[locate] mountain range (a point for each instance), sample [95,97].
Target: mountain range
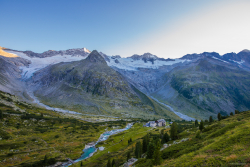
[194,86]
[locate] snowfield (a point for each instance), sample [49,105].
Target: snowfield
[219,59]
[37,63]
[40,63]
[133,65]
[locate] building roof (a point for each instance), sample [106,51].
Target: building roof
[161,120]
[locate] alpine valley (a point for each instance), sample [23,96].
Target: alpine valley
[194,86]
[84,108]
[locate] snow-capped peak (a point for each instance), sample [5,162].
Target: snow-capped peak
[38,62]
[147,60]
[86,50]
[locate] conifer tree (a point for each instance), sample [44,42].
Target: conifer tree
[163,140]
[45,161]
[211,119]
[156,140]
[201,126]
[145,144]
[128,156]
[196,123]
[162,133]
[1,114]
[157,159]
[150,150]
[109,163]
[219,116]
[138,149]
[236,112]
[166,137]
[113,163]
[231,113]
[81,164]
[173,131]
[198,135]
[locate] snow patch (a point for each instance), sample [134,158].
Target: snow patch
[133,65]
[219,59]
[239,62]
[40,63]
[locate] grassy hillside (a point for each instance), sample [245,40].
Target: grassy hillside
[223,143]
[28,134]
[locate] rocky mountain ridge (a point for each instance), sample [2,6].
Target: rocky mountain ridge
[73,52]
[241,59]
[198,85]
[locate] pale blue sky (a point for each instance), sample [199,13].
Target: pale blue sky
[166,28]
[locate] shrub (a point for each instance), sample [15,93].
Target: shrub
[142,162]
[224,130]
[219,116]
[236,112]
[211,119]
[41,130]
[201,126]
[4,135]
[232,157]
[198,135]
[23,132]
[173,131]
[180,149]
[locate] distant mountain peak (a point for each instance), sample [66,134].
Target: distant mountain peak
[245,50]
[95,56]
[6,54]
[145,57]
[149,55]
[86,50]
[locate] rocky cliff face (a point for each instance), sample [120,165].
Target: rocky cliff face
[10,75]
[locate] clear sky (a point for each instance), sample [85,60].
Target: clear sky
[166,28]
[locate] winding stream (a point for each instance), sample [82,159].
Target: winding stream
[89,150]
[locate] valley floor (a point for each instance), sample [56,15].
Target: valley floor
[31,136]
